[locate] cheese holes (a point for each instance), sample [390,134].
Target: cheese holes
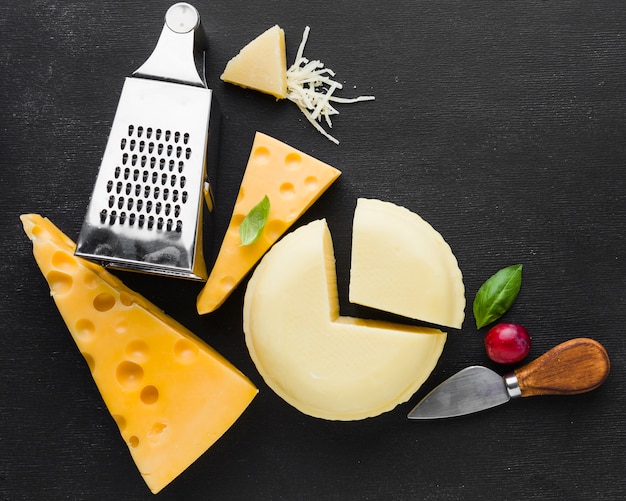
[312,183]
[149,395]
[287,190]
[63,261]
[137,350]
[133,441]
[274,229]
[91,362]
[261,155]
[129,374]
[185,351]
[60,283]
[85,329]
[156,432]
[120,421]
[293,161]
[104,301]
[227,283]
[126,299]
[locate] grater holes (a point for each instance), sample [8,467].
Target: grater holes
[134,196]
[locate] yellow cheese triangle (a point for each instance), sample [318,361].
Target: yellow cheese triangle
[402,265]
[323,364]
[171,395]
[292,180]
[261,65]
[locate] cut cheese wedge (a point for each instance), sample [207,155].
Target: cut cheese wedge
[292,181]
[402,265]
[261,65]
[326,365]
[171,395]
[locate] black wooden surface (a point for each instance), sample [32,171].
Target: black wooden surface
[501,123]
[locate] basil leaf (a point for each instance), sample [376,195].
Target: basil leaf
[252,225]
[497,294]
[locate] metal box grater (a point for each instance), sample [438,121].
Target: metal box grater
[146,209]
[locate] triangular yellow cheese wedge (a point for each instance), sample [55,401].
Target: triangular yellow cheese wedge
[261,65]
[292,181]
[325,365]
[171,395]
[401,264]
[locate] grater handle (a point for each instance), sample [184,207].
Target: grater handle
[180,50]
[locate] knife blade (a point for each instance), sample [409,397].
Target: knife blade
[575,366]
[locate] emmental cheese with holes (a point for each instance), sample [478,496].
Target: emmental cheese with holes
[292,181]
[171,395]
[326,365]
[261,65]
[401,264]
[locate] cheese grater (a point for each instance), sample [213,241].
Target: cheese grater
[146,210]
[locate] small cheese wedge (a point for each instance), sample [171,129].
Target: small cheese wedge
[326,365]
[261,65]
[292,181]
[171,395]
[401,264]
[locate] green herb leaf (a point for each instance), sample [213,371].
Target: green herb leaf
[497,294]
[252,226]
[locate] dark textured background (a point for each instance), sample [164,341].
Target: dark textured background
[501,123]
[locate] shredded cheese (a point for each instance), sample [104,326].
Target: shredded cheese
[310,86]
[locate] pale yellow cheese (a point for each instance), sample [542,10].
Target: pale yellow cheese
[171,395]
[401,264]
[326,365]
[292,181]
[261,65]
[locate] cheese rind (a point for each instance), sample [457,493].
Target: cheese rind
[401,264]
[326,365]
[293,181]
[171,395]
[261,65]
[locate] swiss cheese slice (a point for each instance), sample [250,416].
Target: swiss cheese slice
[171,395]
[292,181]
[261,65]
[402,265]
[326,365]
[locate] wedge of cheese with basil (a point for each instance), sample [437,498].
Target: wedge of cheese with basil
[327,365]
[292,181]
[400,264]
[171,395]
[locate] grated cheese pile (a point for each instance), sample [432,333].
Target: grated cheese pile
[311,86]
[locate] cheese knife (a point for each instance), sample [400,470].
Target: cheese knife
[575,366]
